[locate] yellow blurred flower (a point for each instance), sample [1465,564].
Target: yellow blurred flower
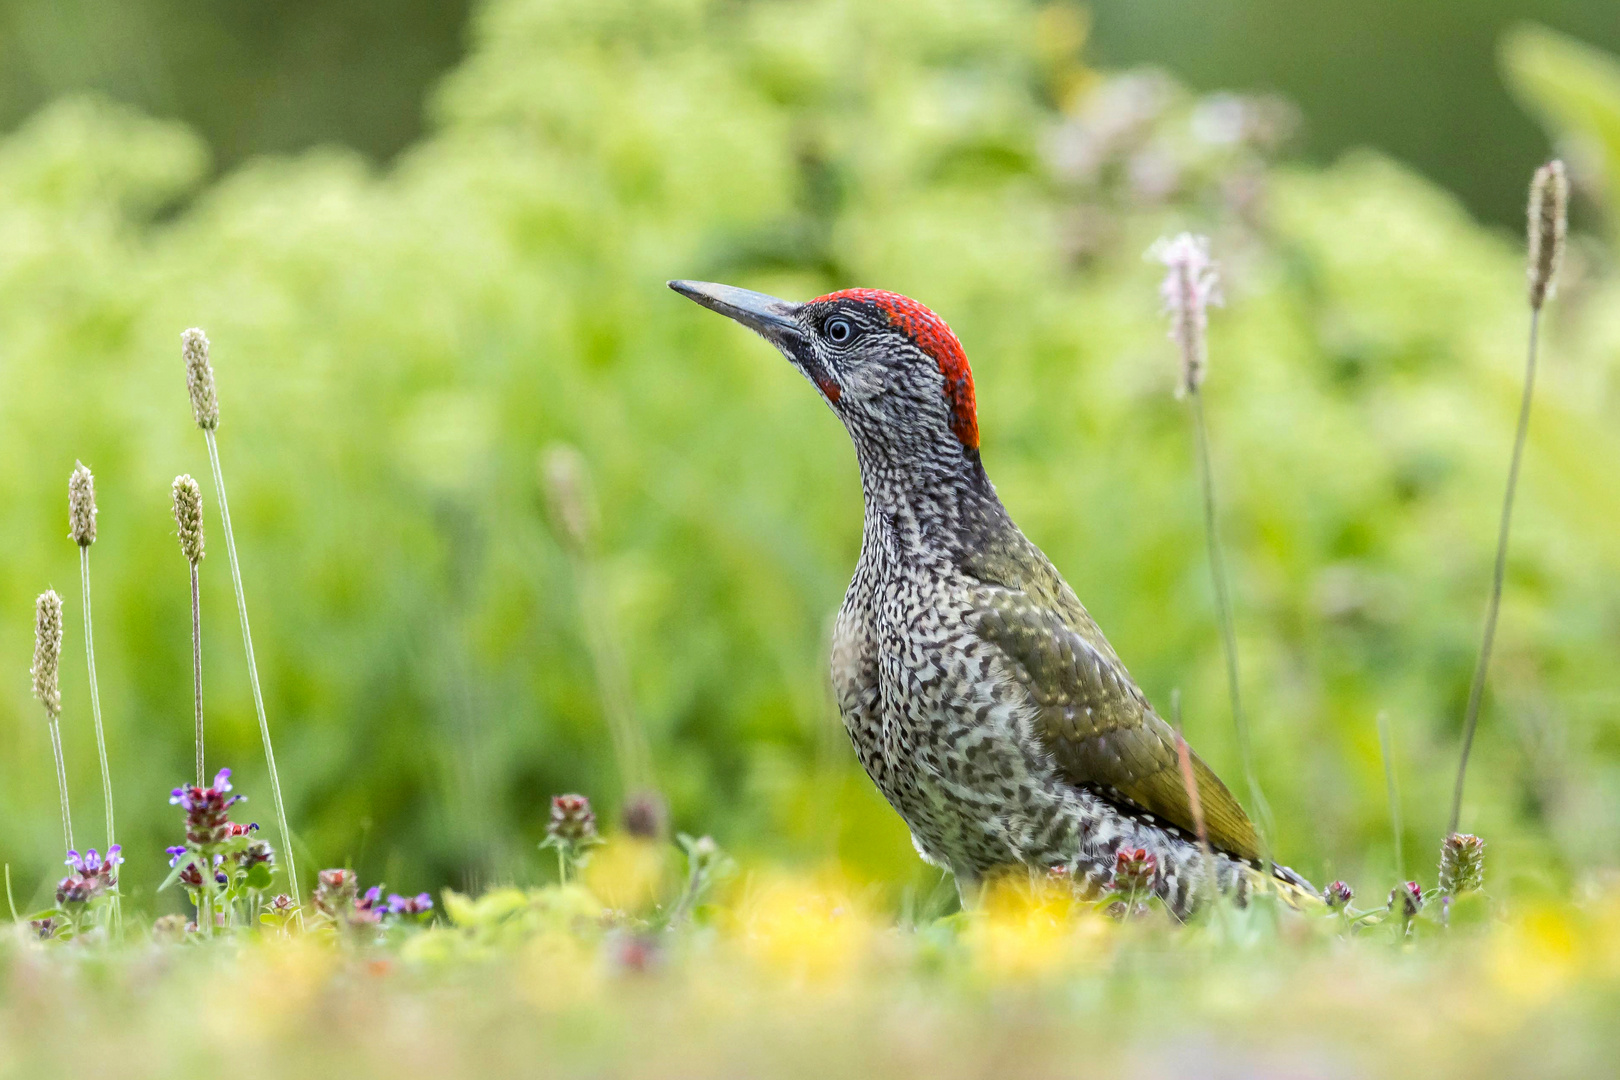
[1027,928]
[805,930]
[628,873]
[274,990]
[1603,951]
[558,971]
[1536,956]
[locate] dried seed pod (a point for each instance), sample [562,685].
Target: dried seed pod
[1549,222]
[48,651]
[568,496]
[188,517]
[200,379]
[1462,864]
[82,506]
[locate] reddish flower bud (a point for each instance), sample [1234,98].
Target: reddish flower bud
[1406,900]
[1134,870]
[572,820]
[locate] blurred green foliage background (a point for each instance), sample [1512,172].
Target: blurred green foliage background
[1418,81]
[396,345]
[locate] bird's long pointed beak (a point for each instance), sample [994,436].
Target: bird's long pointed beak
[767,316]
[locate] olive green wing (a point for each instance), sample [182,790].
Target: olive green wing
[1092,718]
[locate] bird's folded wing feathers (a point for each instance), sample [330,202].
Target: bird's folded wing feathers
[1093,719]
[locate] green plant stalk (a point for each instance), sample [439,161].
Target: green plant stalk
[95,693]
[253,670]
[196,667]
[612,681]
[11,901]
[1477,690]
[1223,605]
[61,783]
[1386,749]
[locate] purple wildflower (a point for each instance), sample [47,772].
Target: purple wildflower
[1338,895]
[90,875]
[207,810]
[420,904]
[191,876]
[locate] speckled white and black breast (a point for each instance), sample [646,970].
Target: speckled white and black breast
[936,721]
[945,732]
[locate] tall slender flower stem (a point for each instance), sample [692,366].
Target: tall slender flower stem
[612,680]
[196,667]
[1548,224]
[1476,690]
[95,693]
[253,670]
[1223,605]
[1386,747]
[1191,284]
[61,784]
[566,481]
[188,523]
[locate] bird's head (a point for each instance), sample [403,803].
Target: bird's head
[890,369]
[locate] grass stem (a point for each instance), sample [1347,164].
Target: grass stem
[1386,749]
[196,669]
[253,670]
[61,783]
[1223,604]
[95,693]
[612,679]
[1477,690]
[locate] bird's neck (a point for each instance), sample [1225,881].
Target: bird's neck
[939,505]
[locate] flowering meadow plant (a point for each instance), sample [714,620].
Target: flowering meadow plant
[84,897]
[224,866]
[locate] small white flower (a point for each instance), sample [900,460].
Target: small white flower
[1191,285]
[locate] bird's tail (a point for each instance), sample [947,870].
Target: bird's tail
[1295,891]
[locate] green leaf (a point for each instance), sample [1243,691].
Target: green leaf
[177,869]
[1573,89]
[258,876]
[459,908]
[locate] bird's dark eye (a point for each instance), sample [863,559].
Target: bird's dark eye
[839,330]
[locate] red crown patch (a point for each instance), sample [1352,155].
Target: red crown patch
[934,337]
